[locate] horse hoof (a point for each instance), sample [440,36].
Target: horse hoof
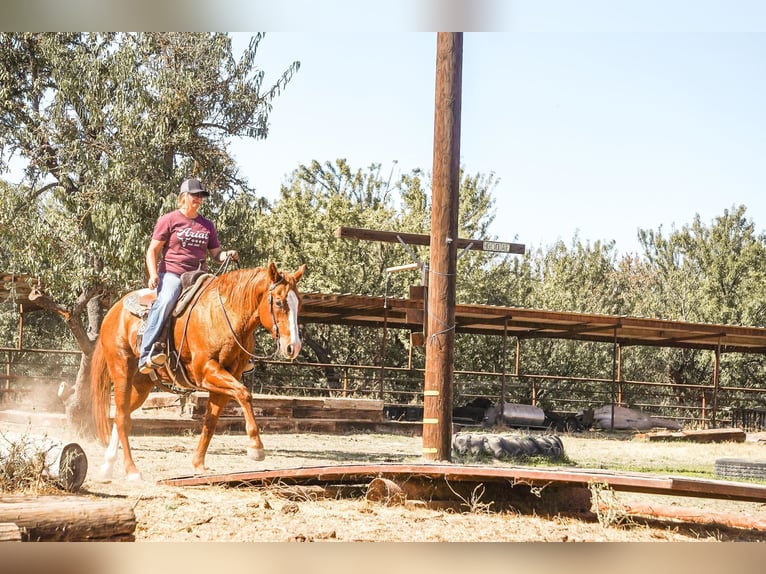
[256,453]
[105,471]
[134,476]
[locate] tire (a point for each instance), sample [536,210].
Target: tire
[505,446]
[493,446]
[740,468]
[475,444]
[529,445]
[511,447]
[550,445]
[460,444]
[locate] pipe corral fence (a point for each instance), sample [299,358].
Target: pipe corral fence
[33,377]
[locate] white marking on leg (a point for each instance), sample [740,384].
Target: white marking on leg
[111,454]
[295,336]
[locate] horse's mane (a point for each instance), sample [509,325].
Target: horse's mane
[239,286]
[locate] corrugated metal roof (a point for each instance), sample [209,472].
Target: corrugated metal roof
[521,322]
[375,311]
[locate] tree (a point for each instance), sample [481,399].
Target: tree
[106,126]
[707,274]
[320,197]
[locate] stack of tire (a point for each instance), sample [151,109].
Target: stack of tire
[505,446]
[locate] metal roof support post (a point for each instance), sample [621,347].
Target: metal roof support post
[716,381]
[517,369]
[505,362]
[21,327]
[614,375]
[619,373]
[382,375]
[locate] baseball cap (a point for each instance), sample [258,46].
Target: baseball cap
[194,186]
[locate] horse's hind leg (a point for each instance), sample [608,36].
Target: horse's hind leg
[110,457]
[125,403]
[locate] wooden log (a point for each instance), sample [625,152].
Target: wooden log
[703,436]
[69,518]
[10,532]
[385,491]
[696,516]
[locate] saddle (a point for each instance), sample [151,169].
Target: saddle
[138,303]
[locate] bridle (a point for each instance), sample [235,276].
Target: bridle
[274,326]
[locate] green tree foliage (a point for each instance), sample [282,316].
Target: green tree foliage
[321,197]
[708,274]
[105,127]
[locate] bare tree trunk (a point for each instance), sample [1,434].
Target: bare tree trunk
[77,402]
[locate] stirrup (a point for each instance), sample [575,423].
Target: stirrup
[153,362]
[158,360]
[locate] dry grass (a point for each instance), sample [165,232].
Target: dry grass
[23,465]
[219,513]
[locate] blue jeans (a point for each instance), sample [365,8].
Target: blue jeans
[168,290]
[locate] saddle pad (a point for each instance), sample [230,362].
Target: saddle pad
[139,302]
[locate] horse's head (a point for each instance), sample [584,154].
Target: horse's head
[278,310]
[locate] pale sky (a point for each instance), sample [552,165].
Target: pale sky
[593,126]
[598,117]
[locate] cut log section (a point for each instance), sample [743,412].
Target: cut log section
[385,491]
[9,532]
[68,518]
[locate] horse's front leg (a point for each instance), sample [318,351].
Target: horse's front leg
[215,405]
[221,382]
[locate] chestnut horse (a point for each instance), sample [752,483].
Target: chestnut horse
[211,337]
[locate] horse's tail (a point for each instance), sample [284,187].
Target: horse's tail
[100,387]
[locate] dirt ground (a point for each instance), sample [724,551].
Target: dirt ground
[249,514]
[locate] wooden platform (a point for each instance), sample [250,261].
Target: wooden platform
[475,474]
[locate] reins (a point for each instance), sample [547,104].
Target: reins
[274,326]
[219,272]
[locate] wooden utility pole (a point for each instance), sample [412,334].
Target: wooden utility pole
[440,340]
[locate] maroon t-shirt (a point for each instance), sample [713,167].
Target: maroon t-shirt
[186,241]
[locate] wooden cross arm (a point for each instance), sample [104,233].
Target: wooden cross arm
[420,239]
